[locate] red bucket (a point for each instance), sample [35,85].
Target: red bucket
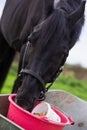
[30,121]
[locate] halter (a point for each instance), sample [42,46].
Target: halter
[38,77]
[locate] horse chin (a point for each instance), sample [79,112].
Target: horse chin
[25,104]
[28,94]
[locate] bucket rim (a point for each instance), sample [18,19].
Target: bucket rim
[68,122]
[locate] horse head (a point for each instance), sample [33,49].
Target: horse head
[46,51]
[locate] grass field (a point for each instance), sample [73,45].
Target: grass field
[67,82]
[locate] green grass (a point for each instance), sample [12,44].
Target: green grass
[72,85]
[68,83]
[7,88]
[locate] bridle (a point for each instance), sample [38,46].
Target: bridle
[38,77]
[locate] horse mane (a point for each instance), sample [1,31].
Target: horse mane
[54,24]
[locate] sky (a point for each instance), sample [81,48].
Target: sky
[2,2]
[78,54]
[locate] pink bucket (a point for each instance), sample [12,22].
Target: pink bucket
[29,121]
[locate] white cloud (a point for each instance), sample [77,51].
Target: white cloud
[78,55]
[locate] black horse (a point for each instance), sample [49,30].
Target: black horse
[43,31]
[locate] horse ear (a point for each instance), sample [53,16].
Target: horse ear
[77,14]
[48,6]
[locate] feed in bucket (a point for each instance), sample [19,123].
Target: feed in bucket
[44,109]
[40,114]
[29,121]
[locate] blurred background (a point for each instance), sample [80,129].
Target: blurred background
[73,79]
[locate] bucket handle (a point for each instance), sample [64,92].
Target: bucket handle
[71,120]
[69,117]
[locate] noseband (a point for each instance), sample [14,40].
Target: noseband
[38,77]
[35,75]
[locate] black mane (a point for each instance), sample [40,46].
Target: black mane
[53,24]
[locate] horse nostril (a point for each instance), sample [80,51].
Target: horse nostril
[34,99]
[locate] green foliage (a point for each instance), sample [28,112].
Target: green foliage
[64,82]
